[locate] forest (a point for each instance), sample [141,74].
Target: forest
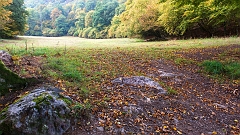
[96,19]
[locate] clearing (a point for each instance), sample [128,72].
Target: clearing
[197,102]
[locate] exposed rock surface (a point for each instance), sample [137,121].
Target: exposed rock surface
[140,81]
[43,111]
[6,58]
[164,74]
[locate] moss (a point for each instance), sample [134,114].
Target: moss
[11,80]
[43,99]
[66,100]
[5,128]
[3,114]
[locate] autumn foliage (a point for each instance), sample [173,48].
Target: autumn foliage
[153,19]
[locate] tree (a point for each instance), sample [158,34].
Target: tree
[18,18]
[4,14]
[178,16]
[55,14]
[33,23]
[90,5]
[88,19]
[113,31]
[140,17]
[79,4]
[61,25]
[80,16]
[103,14]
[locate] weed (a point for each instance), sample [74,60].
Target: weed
[84,92]
[78,110]
[82,110]
[171,91]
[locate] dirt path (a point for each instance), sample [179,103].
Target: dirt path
[199,106]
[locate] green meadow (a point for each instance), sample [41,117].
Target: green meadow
[84,65]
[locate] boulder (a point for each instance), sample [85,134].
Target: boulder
[9,80]
[43,111]
[140,81]
[6,58]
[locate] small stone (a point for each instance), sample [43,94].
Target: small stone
[148,100]
[101,129]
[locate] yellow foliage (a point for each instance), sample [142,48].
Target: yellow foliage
[4,14]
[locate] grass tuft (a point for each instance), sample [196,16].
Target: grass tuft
[233,70]
[213,67]
[230,69]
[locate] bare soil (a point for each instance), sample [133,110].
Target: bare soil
[196,105]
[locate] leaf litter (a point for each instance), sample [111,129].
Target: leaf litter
[201,104]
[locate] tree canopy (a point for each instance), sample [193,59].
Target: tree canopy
[133,18]
[13,18]
[4,14]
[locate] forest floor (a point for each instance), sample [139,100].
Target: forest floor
[195,103]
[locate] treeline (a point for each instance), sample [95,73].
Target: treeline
[155,19]
[12,18]
[83,18]
[189,18]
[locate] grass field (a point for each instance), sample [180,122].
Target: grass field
[72,42]
[85,64]
[206,74]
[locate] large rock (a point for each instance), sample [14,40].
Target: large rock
[9,80]
[41,112]
[140,81]
[6,58]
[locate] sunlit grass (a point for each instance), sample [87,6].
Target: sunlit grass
[73,42]
[84,65]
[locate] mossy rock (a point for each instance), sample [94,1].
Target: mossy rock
[40,112]
[9,80]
